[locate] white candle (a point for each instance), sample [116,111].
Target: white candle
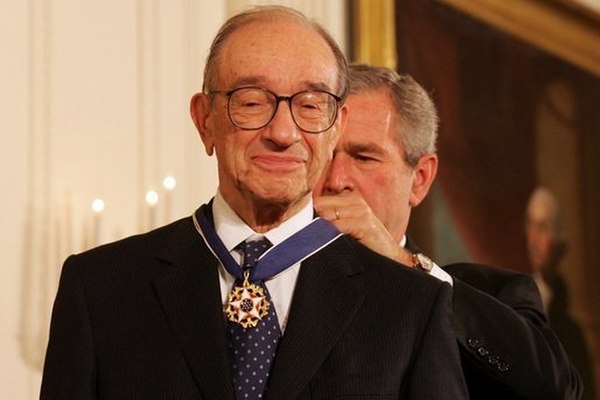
[169,184]
[152,201]
[98,209]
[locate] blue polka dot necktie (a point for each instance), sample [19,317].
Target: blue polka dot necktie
[253,348]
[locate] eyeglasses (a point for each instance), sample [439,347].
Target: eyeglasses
[251,108]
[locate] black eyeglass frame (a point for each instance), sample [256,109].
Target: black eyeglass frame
[278,99]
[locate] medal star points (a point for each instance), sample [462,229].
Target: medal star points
[247,305]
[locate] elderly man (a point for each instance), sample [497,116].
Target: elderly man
[383,166]
[172,314]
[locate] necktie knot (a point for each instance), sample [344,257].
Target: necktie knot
[252,250]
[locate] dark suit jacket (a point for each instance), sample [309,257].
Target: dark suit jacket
[507,349]
[142,319]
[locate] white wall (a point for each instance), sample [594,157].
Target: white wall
[94,104]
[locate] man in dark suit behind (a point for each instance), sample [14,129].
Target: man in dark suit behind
[171,314]
[383,165]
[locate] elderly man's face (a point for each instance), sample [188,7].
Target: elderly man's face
[278,164]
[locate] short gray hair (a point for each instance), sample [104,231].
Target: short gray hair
[271,13]
[413,105]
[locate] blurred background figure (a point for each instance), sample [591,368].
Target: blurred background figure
[546,245]
[545,242]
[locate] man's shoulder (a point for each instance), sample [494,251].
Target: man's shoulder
[467,271]
[495,281]
[171,238]
[383,282]
[379,267]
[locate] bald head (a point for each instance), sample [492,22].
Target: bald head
[270,14]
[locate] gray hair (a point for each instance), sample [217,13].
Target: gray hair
[413,105]
[271,13]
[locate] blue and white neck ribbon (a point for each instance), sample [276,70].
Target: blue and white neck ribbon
[301,245]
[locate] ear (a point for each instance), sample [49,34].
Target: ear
[343,116]
[423,176]
[341,125]
[200,108]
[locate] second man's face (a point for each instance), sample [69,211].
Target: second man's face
[369,159]
[278,164]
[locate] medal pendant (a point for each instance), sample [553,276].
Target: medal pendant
[247,305]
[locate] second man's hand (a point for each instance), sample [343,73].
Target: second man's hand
[352,215]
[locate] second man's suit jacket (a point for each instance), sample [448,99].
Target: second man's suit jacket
[142,319]
[507,349]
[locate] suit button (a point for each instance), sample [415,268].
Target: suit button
[493,360]
[483,352]
[503,367]
[473,343]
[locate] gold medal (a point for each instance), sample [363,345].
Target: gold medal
[246,305]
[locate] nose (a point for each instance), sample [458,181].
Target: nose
[338,178]
[282,129]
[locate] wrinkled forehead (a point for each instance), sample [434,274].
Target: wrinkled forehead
[372,117]
[279,54]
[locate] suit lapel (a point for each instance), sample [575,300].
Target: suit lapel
[325,301]
[190,297]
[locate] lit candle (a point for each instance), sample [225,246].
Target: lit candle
[97,208]
[152,200]
[169,184]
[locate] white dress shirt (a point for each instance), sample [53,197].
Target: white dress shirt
[232,231]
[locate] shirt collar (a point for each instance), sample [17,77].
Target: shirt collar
[233,230]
